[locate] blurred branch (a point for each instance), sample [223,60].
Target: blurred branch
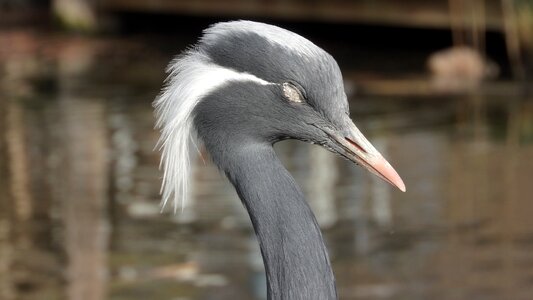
[512,37]
[466,15]
[456,24]
[6,251]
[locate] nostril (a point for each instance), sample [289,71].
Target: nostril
[356,145]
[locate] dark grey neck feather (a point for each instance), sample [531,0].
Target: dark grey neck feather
[294,254]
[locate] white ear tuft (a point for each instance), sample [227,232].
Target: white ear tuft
[173,109]
[191,77]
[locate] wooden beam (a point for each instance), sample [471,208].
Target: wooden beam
[409,13]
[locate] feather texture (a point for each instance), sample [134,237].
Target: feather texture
[274,34]
[191,76]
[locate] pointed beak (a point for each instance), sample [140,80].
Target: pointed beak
[353,145]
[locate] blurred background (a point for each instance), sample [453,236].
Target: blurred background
[442,88]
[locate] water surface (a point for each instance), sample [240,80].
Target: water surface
[79,189]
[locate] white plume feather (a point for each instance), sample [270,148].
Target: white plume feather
[191,77]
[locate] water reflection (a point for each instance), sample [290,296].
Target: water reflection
[6,248]
[80,215]
[83,142]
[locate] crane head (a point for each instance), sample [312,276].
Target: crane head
[252,82]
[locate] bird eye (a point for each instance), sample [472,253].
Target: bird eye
[292,93]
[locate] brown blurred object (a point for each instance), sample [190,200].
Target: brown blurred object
[459,69]
[462,67]
[183,272]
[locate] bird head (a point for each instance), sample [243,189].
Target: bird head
[253,82]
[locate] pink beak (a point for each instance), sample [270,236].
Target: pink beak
[383,169]
[359,150]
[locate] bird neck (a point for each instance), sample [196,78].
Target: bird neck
[295,257]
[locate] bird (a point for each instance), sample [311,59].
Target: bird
[241,88]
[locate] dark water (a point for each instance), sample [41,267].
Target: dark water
[79,182]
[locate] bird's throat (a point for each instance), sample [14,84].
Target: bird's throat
[295,257]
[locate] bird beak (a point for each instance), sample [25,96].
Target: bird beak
[355,147]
